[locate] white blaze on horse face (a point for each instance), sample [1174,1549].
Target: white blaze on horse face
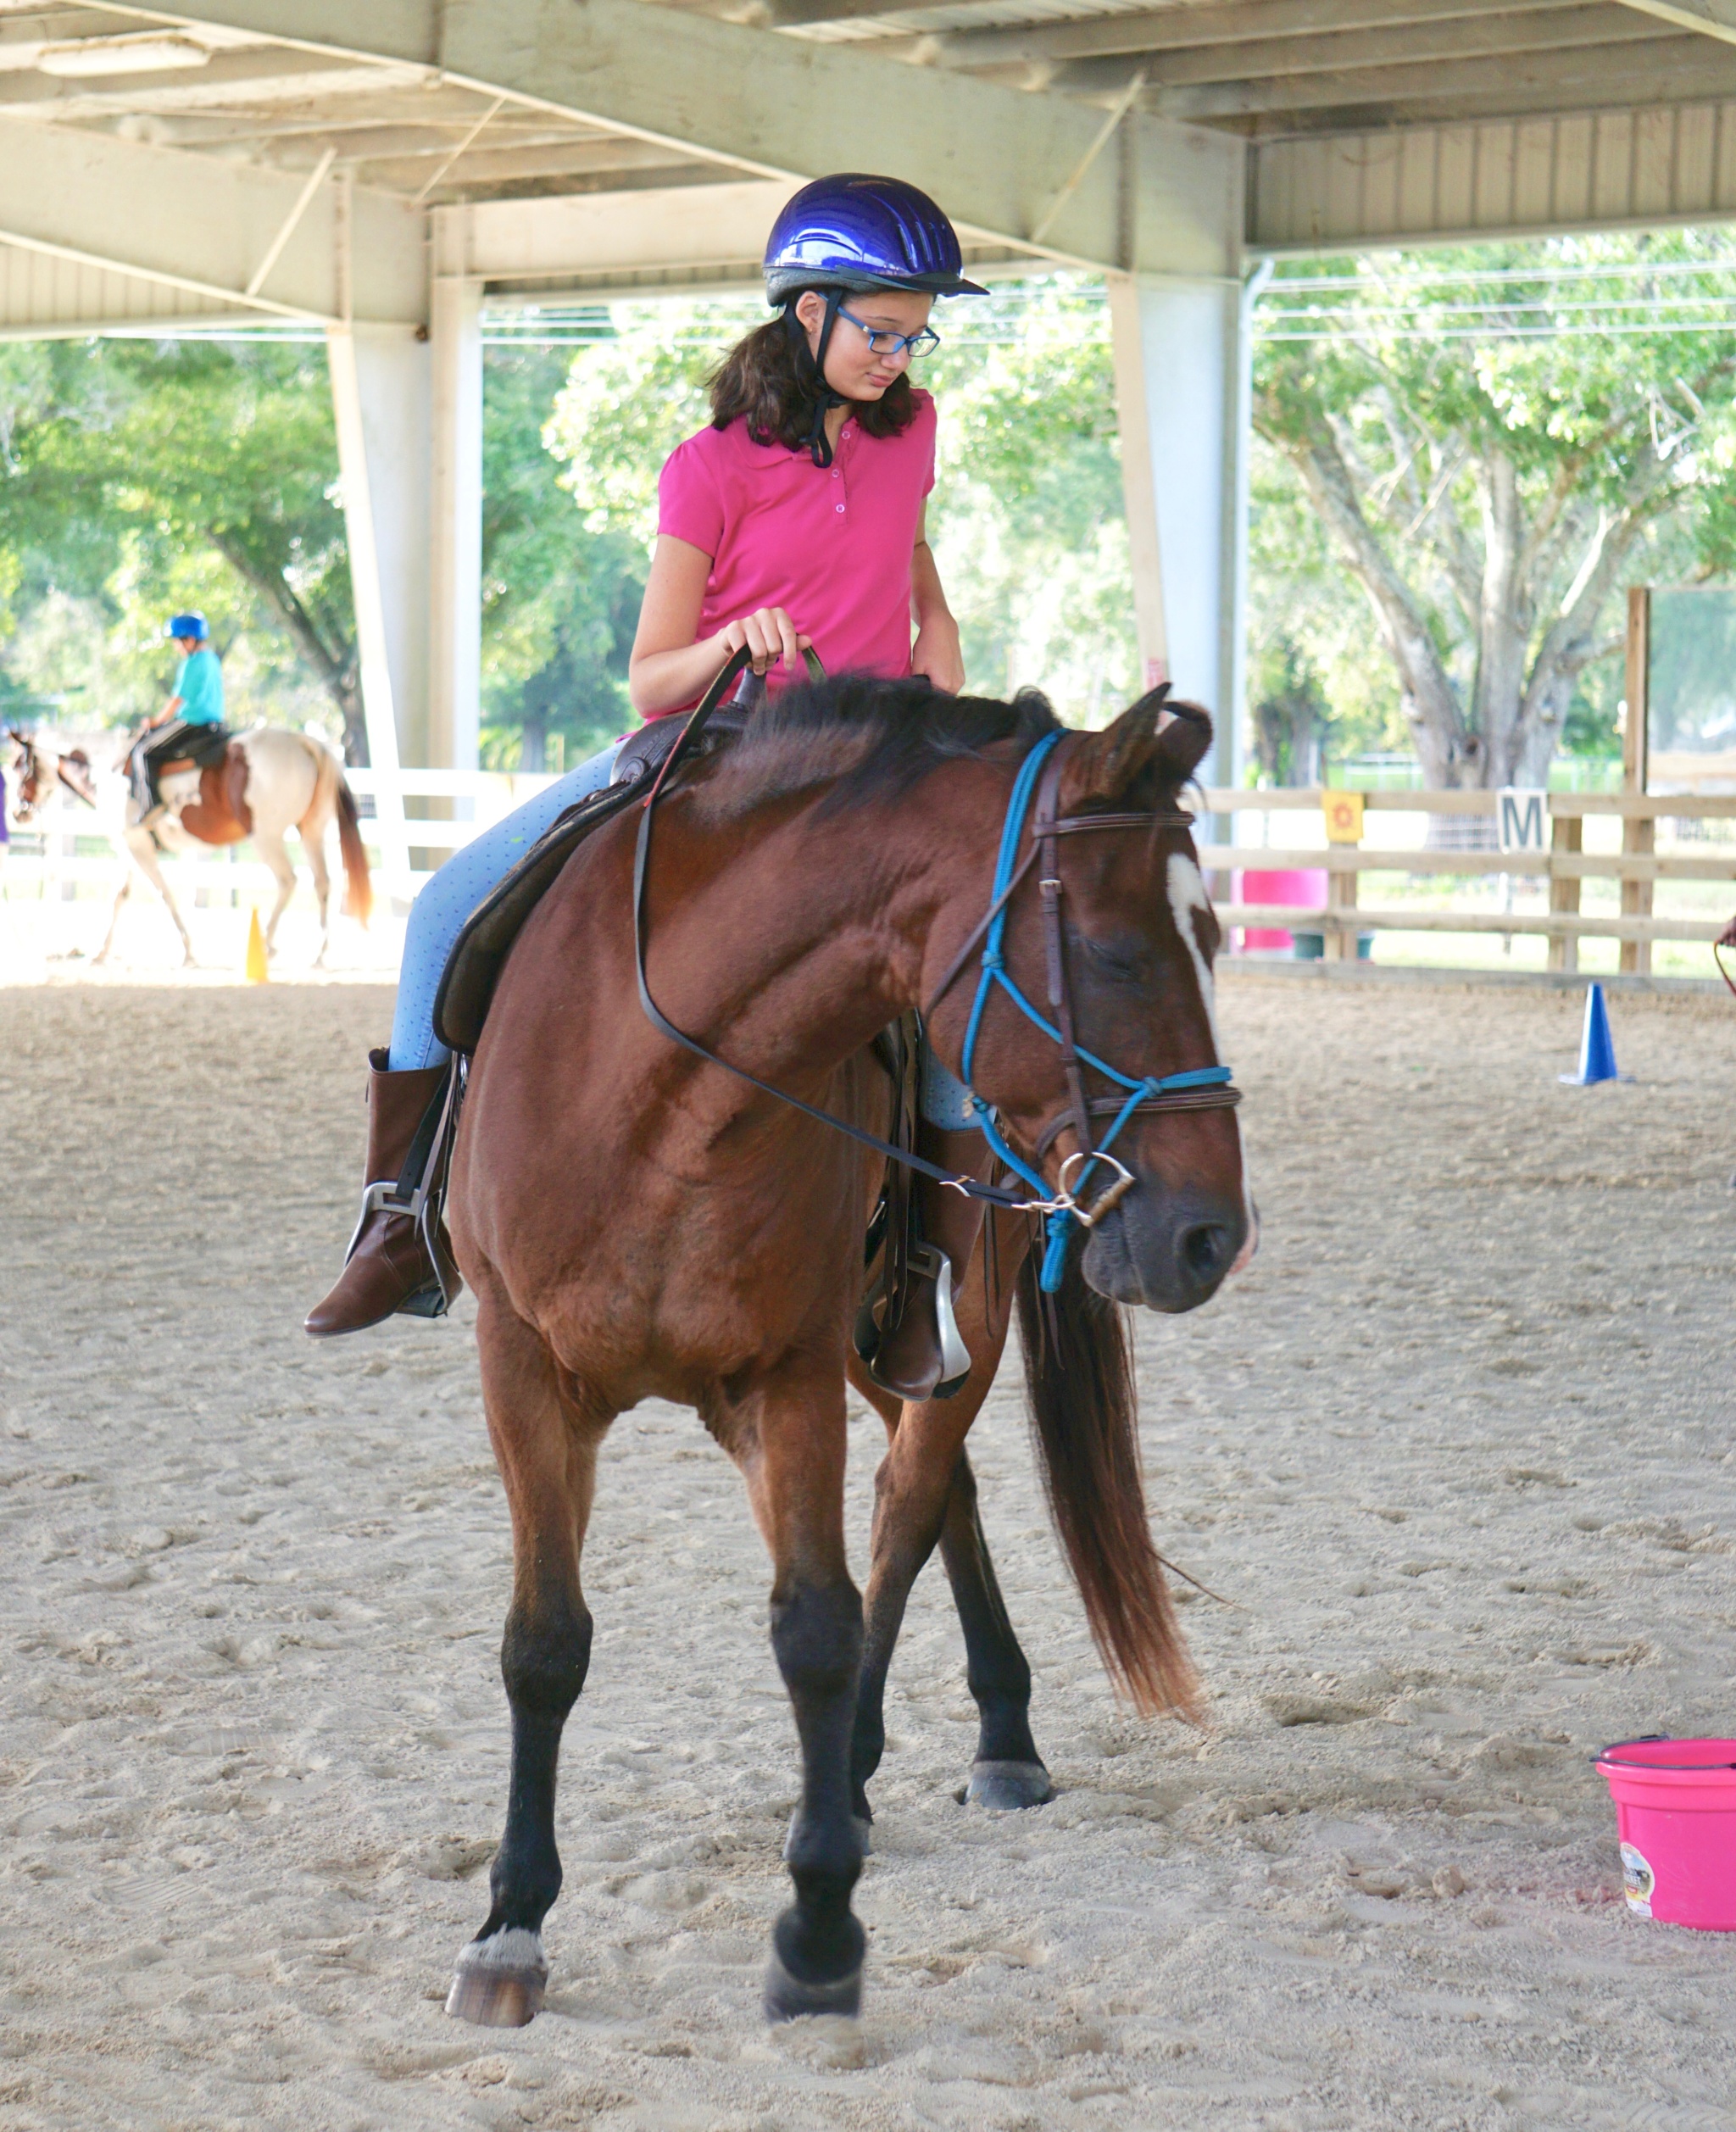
[1186,888]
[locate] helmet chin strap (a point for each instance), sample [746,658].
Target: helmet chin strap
[819,443]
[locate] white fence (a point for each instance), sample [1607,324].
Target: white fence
[438,811]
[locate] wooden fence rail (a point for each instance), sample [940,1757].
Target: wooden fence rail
[1565,867]
[471,799]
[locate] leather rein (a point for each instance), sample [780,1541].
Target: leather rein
[1206,1087]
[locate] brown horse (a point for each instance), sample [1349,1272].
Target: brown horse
[639,1223]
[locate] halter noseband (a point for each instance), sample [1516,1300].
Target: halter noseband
[1201,1088]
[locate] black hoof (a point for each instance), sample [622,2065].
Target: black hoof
[788,1999]
[1008,1787]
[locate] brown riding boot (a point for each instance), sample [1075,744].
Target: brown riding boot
[388,1268]
[923,1356]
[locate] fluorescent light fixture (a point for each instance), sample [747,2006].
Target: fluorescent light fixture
[150,53]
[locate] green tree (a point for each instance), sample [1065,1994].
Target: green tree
[559,600]
[1491,442]
[152,459]
[1027,517]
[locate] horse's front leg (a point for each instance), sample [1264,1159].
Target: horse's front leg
[144,850]
[120,896]
[545,1447]
[788,1438]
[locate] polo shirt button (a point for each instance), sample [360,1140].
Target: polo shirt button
[840,506]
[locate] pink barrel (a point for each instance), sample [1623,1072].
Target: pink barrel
[1303,887]
[1676,1819]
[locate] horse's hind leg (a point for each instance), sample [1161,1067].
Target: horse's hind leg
[546,1445]
[314,844]
[271,848]
[1008,1771]
[925,1493]
[788,1438]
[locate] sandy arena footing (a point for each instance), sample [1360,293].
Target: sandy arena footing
[1461,1448]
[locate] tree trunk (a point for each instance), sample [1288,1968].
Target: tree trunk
[337,667]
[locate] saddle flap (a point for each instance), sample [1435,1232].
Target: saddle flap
[221,814]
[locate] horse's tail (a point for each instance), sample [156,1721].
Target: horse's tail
[332,796]
[1079,1372]
[357,888]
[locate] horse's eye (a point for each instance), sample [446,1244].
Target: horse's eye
[1120,961]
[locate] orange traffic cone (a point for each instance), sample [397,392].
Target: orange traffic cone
[258,973]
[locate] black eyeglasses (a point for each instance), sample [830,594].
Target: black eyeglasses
[881,340]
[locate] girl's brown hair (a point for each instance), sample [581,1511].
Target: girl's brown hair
[766,378]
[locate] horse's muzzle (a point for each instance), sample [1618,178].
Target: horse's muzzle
[1168,1250]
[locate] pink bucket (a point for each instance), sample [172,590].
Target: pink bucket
[1304,886]
[1676,1818]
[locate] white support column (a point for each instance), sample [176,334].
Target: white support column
[1177,390]
[373,659]
[455,520]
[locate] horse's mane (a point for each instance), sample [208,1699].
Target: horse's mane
[870,739]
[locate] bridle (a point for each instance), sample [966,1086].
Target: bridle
[1201,1088]
[32,776]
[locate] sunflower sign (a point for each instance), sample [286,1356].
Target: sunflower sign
[1344,817]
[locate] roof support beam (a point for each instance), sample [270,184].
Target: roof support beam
[1226,31]
[1711,17]
[1666,70]
[1532,32]
[201,226]
[787,108]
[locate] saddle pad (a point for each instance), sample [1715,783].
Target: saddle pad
[485,941]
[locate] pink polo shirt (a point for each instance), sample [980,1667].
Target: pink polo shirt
[831,545]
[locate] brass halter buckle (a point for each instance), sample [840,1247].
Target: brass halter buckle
[1111,1195]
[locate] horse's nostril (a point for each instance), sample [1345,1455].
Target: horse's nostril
[1205,1250]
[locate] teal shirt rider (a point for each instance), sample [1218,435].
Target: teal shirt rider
[199,682]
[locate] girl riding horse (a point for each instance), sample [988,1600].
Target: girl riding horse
[796,520]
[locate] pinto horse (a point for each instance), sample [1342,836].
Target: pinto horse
[272,780]
[638,1222]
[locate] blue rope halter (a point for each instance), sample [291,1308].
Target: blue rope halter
[1062,1212]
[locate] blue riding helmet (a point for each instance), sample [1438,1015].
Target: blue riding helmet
[856,232]
[188,626]
[849,234]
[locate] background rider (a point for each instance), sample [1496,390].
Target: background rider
[187,723]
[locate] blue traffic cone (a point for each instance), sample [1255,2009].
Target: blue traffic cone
[1597,1047]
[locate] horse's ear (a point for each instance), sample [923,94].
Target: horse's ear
[1156,741]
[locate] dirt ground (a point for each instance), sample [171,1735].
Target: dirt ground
[1460,1448]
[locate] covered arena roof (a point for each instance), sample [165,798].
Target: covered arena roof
[1117,134]
[380,170]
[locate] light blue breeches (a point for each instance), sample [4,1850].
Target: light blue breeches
[438,914]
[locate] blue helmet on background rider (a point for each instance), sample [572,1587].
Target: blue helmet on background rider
[852,233]
[194,625]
